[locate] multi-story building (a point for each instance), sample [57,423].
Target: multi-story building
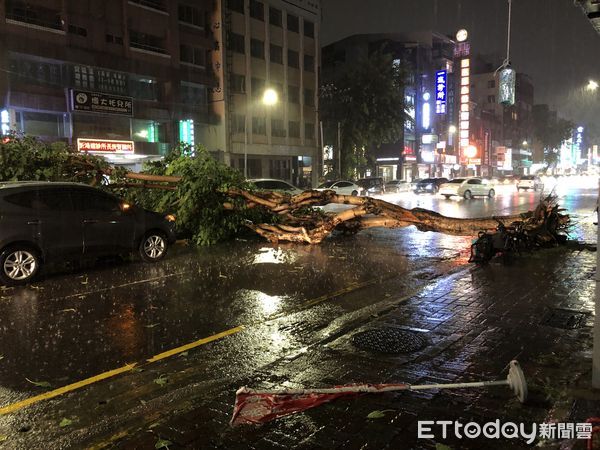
[507,127]
[272,44]
[128,78]
[422,54]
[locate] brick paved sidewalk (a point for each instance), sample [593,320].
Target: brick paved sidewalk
[474,322]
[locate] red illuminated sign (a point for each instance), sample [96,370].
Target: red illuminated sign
[104,146]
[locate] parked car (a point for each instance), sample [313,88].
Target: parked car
[341,187]
[397,186]
[467,188]
[530,182]
[42,222]
[273,185]
[373,185]
[430,185]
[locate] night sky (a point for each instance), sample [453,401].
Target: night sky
[552,40]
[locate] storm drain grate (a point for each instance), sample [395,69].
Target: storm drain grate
[564,319]
[389,340]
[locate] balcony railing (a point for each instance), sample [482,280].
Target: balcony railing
[158,5]
[31,18]
[148,47]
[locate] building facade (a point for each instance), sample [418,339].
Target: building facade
[425,148]
[126,78]
[274,45]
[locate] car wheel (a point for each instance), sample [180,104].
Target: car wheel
[153,246]
[354,193]
[491,193]
[19,264]
[447,197]
[467,195]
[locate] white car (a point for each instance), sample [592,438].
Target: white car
[273,185]
[341,187]
[530,182]
[467,188]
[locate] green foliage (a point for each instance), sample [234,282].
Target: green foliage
[550,129]
[367,100]
[198,201]
[25,158]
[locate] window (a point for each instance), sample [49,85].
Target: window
[293,94]
[193,16]
[111,39]
[28,199]
[342,184]
[294,128]
[146,42]
[236,5]
[277,128]
[79,31]
[194,94]
[491,84]
[237,43]
[293,23]
[293,59]
[238,83]
[239,123]
[258,87]
[257,10]
[309,97]
[259,125]
[474,181]
[25,71]
[280,169]
[257,48]
[276,54]
[309,29]
[143,88]
[192,55]
[309,131]
[491,99]
[275,17]
[25,12]
[309,63]
[89,200]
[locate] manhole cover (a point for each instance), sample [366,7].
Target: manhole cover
[565,319]
[389,340]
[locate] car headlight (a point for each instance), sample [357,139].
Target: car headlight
[170,218]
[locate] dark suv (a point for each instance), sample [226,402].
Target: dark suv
[41,221]
[373,185]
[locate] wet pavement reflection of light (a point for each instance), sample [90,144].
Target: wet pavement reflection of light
[70,326]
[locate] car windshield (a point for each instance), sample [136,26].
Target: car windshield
[427,180]
[326,185]
[457,181]
[528,177]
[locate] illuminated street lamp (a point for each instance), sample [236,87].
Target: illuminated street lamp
[525,143]
[592,85]
[452,129]
[470,151]
[269,98]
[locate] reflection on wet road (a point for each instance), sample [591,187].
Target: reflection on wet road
[71,326]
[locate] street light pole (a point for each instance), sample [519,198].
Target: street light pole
[269,98]
[596,351]
[246,142]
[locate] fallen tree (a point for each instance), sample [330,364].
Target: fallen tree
[298,223]
[213,202]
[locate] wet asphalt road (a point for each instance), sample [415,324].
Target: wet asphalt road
[74,325]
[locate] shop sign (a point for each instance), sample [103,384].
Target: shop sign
[94,102]
[104,146]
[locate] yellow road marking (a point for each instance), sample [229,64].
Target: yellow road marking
[198,343]
[68,388]
[111,373]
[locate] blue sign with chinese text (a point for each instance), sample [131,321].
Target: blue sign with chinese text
[440,91]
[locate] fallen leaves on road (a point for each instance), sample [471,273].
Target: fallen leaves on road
[162,443]
[377,414]
[43,384]
[161,380]
[65,422]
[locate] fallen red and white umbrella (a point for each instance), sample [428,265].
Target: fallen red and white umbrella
[254,407]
